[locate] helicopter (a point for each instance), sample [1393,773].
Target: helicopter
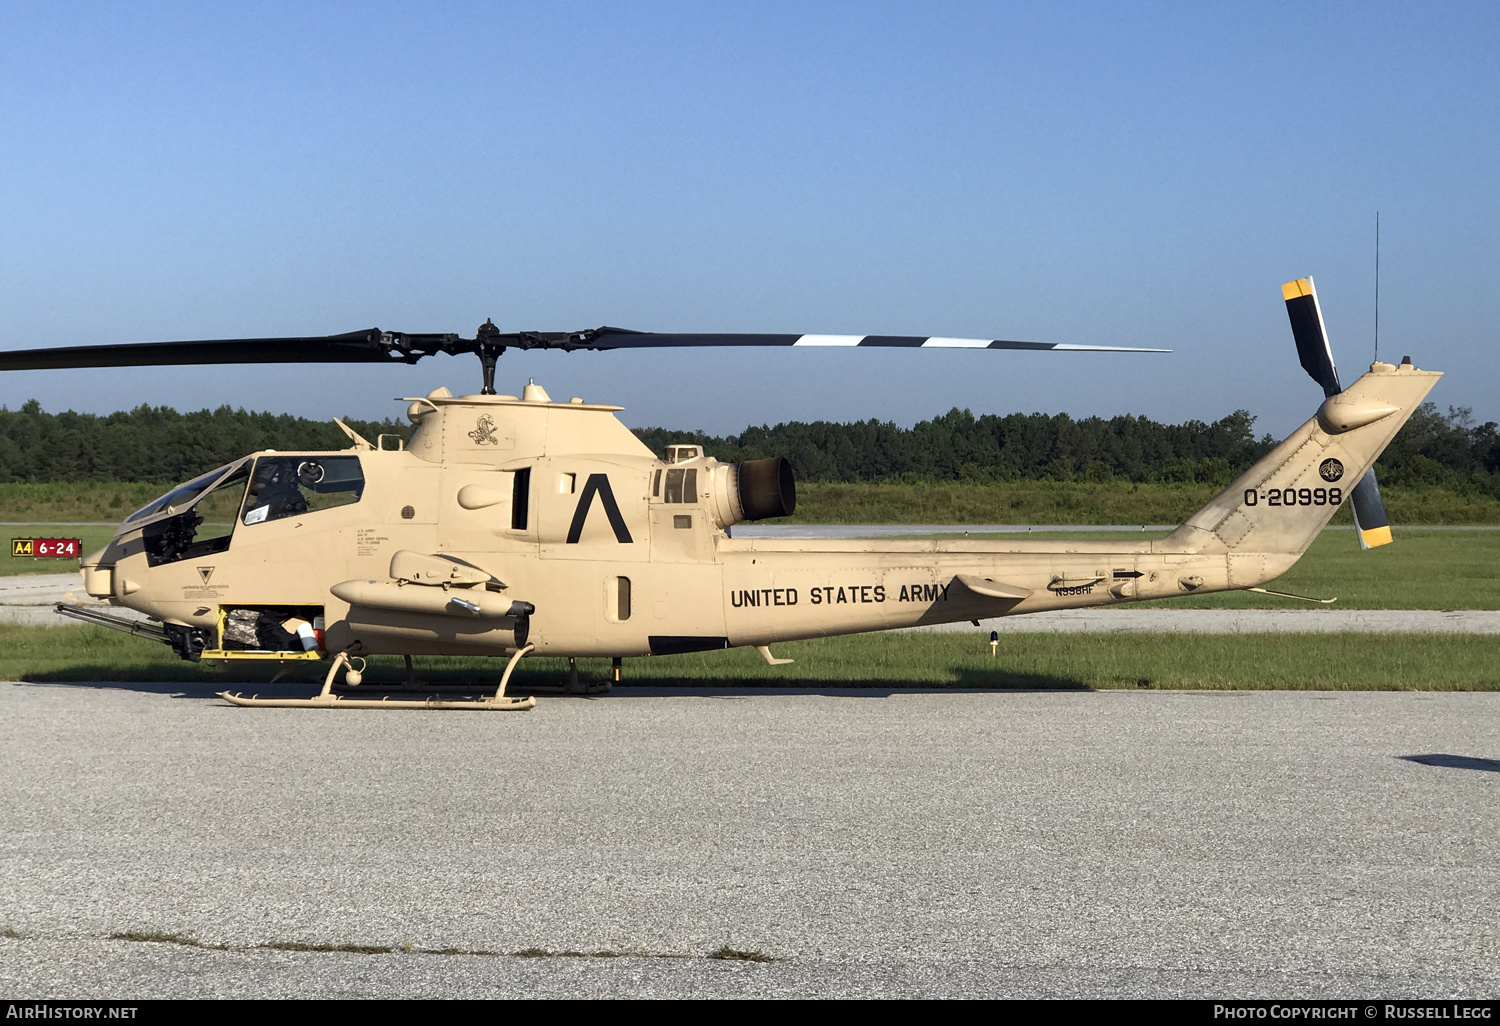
[517,524]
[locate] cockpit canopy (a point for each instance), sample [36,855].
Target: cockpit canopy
[185,495]
[170,525]
[288,486]
[198,518]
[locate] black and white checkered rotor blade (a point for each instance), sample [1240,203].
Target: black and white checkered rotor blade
[376,346]
[488,343]
[622,338]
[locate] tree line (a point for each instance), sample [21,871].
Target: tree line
[1432,449]
[157,443]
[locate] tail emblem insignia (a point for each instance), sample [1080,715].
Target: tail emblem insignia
[484,431]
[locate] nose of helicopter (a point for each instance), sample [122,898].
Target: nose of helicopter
[98,578]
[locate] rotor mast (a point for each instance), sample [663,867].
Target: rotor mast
[489,348]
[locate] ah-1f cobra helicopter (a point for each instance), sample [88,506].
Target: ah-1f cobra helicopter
[517,524]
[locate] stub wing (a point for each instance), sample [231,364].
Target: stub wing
[988,587]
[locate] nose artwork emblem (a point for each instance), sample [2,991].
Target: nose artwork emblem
[484,432]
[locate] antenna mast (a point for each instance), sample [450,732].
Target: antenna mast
[1377,286]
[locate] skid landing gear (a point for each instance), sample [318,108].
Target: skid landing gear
[355,675]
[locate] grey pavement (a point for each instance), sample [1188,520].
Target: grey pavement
[1225,844]
[28,599]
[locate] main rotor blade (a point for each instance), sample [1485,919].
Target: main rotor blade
[1312,338]
[622,338]
[376,346]
[354,347]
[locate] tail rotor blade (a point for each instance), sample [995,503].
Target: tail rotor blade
[1369,513]
[1301,296]
[1312,338]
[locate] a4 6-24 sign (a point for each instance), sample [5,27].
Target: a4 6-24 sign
[64,547]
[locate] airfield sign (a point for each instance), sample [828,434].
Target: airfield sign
[67,548]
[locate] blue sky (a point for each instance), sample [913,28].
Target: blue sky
[1094,173]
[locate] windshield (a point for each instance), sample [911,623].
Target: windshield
[179,496]
[205,527]
[289,486]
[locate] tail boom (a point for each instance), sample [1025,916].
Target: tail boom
[1249,534]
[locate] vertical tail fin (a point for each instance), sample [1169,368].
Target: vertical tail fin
[1280,504]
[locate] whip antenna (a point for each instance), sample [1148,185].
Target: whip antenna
[1377,286]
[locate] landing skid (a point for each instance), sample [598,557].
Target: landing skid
[590,690]
[338,702]
[328,700]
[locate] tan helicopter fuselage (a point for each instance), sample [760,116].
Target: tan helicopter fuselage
[506,515]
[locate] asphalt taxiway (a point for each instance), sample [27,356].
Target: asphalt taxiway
[1222,844]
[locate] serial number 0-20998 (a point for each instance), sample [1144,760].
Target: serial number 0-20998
[1295,497]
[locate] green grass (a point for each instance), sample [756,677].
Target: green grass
[728,954]
[351,949]
[407,948]
[1383,662]
[51,502]
[1419,570]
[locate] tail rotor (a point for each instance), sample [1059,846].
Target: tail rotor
[1370,521]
